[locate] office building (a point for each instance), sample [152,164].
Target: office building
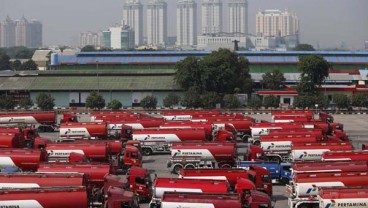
[35,34]
[119,37]
[186,23]
[238,16]
[90,38]
[157,23]
[211,16]
[221,40]
[133,17]
[7,33]
[276,23]
[21,32]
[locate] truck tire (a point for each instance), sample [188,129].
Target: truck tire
[275,159]
[225,166]
[257,143]
[177,168]
[147,151]
[189,166]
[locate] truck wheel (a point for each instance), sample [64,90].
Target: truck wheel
[258,143]
[147,151]
[225,166]
[189,166]
[177,169]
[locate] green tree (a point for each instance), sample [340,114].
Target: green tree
[304,47]
[20,52]
[222,71]
[314,70]
[95,101]
[7,102]
[4,62]
[45,101]
[341,100]
[188,73]
[273,80]
[210,99]
[191,98]
[26,103]
[322,101]
[88,48]
[309,101]
[171,99]
[271,101]
[359,100]
[255,103]
[16,65]
[29,65]
[149,102]
[114,105]
[231,101]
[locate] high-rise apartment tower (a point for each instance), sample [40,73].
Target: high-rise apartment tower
[133,17]
[157,22]
[238,16]
[276,23]
[186,23]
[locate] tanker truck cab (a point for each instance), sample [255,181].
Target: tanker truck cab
[250,197]
[119,198]
[131,157]
[261,178]
[140,183]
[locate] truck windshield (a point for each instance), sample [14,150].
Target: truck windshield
[252,178]
[266,178]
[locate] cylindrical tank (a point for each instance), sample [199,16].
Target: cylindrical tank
[213,150]
[314,151]
[25,159]
[343,197]
[194,200]
[95,172]
[29,118]
[330,166]
[95,152]
[83,130]
[59,197]
[345,156]
[170,135]
[36,180]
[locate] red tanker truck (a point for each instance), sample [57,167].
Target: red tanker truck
[210,154]
[162,185]
[343,197]
[330,166]
[28,118]
[169,135]
[260,177]
[83,130]
[139,178]
[25,159]
[314,151]
[345,156]
[304,187]
[29,134]
[318,133]
[64,197]
[37,180]
[12,140]
[205,200]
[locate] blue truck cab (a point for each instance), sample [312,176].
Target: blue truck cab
[280,172]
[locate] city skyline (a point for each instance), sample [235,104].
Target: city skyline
[320,25]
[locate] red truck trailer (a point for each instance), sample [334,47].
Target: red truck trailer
[345,156]
[304,187]
[205,200]
[37,180]
[329,166]
[343,197]
[314,151]
[25,159]
[170,135]
[28,118]
[260,178]
[83,130]
[64,197]
[210,154]
[162,185]
[318,133]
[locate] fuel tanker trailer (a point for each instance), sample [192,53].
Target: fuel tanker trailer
[25,159]
[303,189]
[345,156]
[210,154]
[37,180]
[314,151]
[170,135]
[343,197]
[162,185]
[83,130]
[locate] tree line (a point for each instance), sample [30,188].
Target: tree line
[17,53]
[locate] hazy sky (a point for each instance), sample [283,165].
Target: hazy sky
[327,22]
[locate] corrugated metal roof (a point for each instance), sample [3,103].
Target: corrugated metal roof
[120,83]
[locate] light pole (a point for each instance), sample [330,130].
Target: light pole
[98,79]
[316,105]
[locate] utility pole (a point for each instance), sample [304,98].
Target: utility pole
[98,79]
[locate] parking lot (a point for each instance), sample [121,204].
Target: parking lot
[354,125]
